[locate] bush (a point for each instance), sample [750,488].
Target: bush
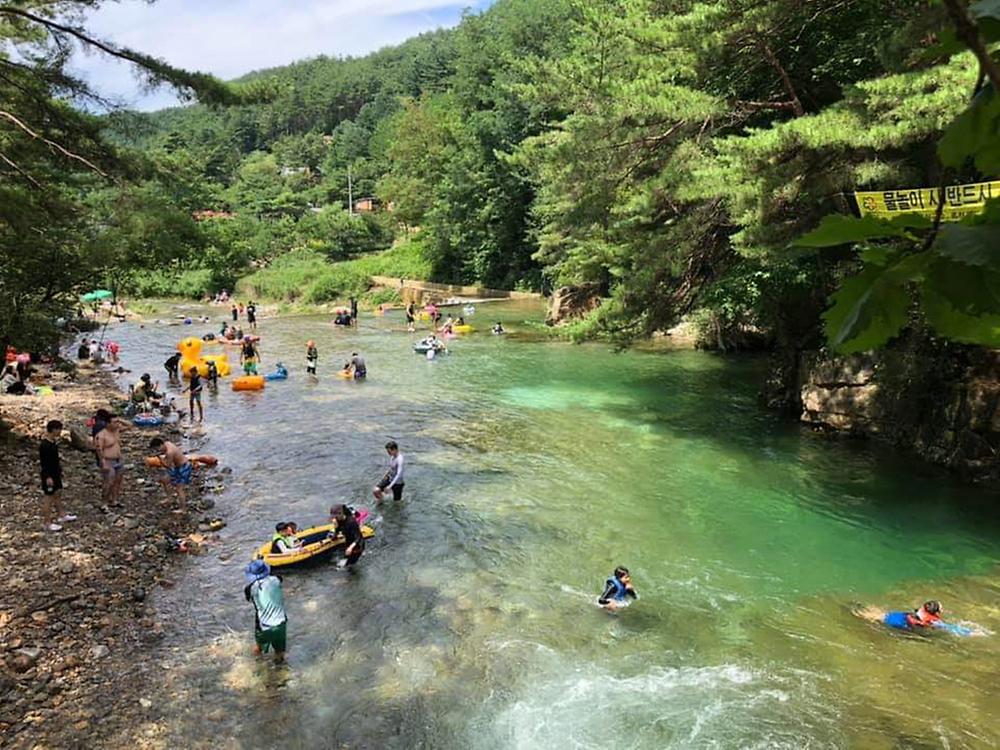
[193,283]
[306,276]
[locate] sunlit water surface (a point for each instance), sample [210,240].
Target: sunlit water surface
[534,468]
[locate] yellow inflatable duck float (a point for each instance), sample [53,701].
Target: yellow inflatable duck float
[191,356]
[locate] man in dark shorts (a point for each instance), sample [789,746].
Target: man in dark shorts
[252,315]
[358,367]
[350,529]
[263,590]
[354,311]
[194,389]
[172,365]
[48,455]
[393,478]
[411,317]
[236,313]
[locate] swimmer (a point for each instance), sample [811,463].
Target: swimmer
[617,590]
[498,329]
[919,620]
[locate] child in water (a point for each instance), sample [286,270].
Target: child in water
[927,616]
[312,357]
[617,590]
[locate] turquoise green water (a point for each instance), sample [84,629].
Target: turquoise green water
[535,468]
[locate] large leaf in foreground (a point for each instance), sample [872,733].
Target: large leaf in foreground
[868,310]
[837,229]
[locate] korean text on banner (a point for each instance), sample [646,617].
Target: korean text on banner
[959,201]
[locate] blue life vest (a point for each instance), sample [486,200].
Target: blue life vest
[618,586]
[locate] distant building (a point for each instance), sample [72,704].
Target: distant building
[289,171]
[366,205]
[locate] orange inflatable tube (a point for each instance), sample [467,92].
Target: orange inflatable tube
[156,462]
[248,383]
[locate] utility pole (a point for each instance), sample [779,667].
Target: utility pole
[350,192]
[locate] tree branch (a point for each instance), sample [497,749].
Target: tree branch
[968,32]
[52,25]
[786,81]
[4,158]
[52,144]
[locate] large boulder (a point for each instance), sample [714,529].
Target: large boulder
[570,302]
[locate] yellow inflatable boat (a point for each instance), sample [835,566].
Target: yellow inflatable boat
[316,542]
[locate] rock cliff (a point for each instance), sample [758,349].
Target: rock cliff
[940,401]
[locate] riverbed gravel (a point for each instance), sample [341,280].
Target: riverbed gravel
[76,622]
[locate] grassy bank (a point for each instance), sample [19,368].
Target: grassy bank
[305,278]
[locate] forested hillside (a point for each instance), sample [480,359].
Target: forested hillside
[672,153]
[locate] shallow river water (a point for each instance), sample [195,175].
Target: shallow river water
[534,468]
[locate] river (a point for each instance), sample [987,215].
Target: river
[534,468]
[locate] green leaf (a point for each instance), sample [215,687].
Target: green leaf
[985,9]
[973,134]
[983,330]
[972,290]
[837,229]
[867,311]
[974,245]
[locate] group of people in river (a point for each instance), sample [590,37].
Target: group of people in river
[264,587]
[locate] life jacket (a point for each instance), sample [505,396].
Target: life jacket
[275,550]
[914,620]
[618,586]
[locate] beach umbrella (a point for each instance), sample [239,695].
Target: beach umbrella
[97,294]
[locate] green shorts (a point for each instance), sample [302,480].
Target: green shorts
[272,637]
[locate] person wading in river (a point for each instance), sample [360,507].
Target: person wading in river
[263,590]
[393,478]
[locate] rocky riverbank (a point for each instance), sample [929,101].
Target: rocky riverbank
[934,399]
[76,626]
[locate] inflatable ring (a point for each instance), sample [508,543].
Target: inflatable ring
[156,462]
[147,420]
[277,375]
[463,328]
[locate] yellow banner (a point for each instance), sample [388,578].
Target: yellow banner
[959,201]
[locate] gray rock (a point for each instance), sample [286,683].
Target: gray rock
[100,651]
[32,652]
